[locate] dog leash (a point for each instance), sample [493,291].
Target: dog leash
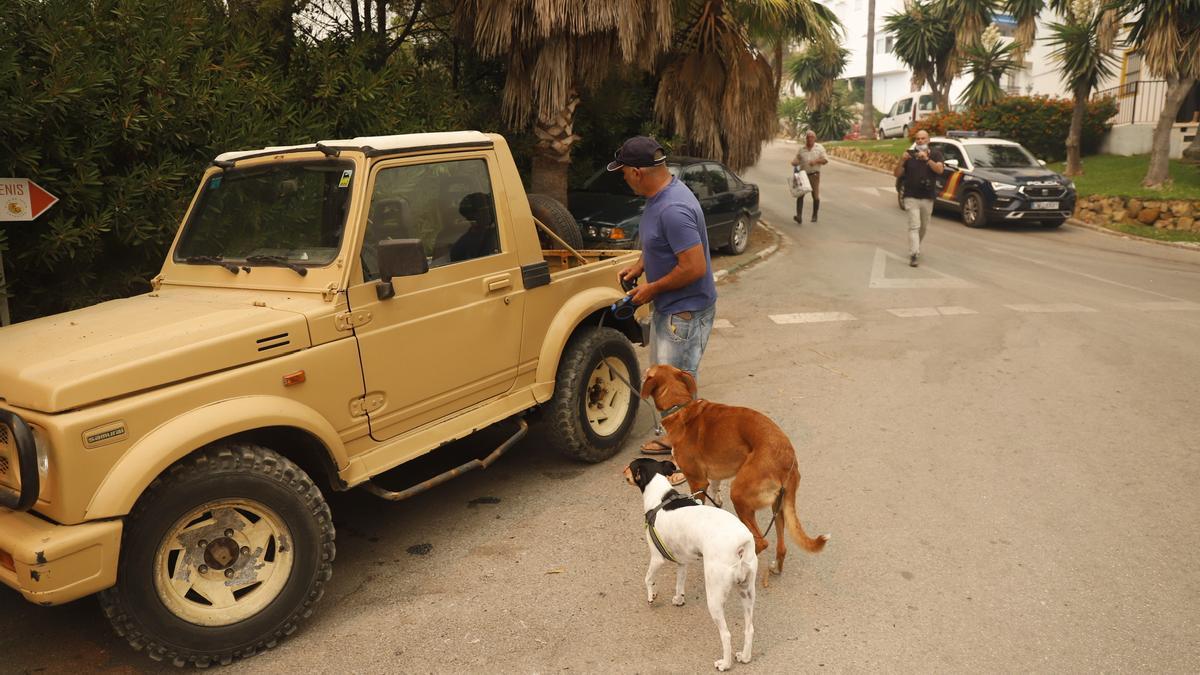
[658,427]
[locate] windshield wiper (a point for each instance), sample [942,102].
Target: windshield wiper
[211,260]
[277,261]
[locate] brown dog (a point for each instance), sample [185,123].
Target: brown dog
[712,442]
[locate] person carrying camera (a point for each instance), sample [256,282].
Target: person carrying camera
[917,170]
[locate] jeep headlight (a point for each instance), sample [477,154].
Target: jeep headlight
[41,445]
[1003,186]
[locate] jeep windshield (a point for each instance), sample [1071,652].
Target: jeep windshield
[1000,156]
[288,213]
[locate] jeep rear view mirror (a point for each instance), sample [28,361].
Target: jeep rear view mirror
[399,258]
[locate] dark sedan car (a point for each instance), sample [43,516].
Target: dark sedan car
[608,212]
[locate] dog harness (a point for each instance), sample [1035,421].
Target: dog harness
[671,500]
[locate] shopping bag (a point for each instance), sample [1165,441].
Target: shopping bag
[798,183]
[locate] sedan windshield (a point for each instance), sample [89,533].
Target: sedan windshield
[613,183]
[1000,156]
[291,213]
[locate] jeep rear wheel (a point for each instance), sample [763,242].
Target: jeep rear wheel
[593,406]
[556,217]
[223,556]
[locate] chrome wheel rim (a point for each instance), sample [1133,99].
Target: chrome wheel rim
[608,397]
[740,233]
[971,209]
[223,562]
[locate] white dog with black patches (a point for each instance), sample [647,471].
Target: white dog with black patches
[697,532]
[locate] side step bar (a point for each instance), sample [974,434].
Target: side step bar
[452,473]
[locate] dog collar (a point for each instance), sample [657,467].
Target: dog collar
[652,515]
[674,409]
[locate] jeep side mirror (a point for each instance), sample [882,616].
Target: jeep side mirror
[952,163]
[1042,162]
[399,258]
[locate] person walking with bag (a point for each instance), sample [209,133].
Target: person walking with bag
[809,159]
[918,169]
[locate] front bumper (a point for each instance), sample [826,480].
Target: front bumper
[1007,207]
[51,564]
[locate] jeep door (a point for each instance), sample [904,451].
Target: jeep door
[450,338]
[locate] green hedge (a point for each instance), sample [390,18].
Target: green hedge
[1040,123]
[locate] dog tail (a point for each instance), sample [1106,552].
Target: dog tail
[792,521]
[747,564]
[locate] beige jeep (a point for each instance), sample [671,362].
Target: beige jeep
[326,313]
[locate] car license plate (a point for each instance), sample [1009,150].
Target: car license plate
[1045,205]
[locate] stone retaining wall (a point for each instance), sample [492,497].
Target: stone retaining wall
[1165,214]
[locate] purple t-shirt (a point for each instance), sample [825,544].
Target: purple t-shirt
[671,224]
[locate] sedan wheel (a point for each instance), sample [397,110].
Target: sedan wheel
[739,236]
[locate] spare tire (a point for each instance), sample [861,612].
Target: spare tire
[560,221]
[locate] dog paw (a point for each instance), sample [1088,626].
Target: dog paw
[774,567]
[678,600]
[721,664]
[743,657]
[651,596]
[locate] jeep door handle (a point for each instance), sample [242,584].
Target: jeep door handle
[498,283]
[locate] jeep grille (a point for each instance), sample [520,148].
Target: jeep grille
[6,450]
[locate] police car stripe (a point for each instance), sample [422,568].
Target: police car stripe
[951,184]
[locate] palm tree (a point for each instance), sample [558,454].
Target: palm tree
[553,51]
[815,69]
[866,128]
[925,43]
[716,90]
[775,28]
[1083,45]
[988,61]
[1168,36]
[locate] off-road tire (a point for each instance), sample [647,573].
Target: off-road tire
[229,471]
[739,235]
[555,216]
[566,426]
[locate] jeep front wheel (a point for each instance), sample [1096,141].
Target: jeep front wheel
[223,556]
[593,406]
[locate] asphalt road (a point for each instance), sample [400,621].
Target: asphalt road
[1004,444]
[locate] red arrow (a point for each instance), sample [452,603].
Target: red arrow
[39,200]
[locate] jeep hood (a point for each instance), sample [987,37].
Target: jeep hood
[74,359]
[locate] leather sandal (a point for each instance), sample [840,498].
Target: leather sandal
[655,447]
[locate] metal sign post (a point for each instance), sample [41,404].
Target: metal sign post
[20,200]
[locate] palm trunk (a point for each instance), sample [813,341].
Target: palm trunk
[867,126]
[1074,161]
[552,153]
[1160,167]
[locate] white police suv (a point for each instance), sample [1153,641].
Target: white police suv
[990,181]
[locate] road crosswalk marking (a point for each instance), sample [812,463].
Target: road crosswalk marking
[950,310]
[880,279]
[1049,308]
[811,317]
[722,323]
[1181,305]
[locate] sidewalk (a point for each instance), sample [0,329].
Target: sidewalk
[764,242]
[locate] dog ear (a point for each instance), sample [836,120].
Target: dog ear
[650,382]
[688,381]
[670,466]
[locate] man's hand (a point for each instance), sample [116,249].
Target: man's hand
[643,294]
[922,155]
[631,273]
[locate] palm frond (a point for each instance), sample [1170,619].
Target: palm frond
[1167,33]
[1083,54]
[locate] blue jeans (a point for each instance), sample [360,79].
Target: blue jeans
[680,342]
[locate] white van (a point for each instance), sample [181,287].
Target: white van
[906,111]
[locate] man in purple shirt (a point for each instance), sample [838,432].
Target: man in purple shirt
[675,258]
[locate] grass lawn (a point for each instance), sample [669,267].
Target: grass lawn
[891,146]
[1139,230]
[1118,176]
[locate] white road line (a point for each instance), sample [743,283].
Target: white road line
[1085,274]
[949,310]
[1182,305]
[1050,308]
[879,278]
[722,323]
[811,317]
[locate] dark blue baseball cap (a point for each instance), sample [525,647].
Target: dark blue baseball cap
[640,152]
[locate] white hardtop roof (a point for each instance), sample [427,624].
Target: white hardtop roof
[393,143]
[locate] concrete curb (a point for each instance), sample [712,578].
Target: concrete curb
[860,164]
[1189,246]
[762,255]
